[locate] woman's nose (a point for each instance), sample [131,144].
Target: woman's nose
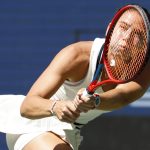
[128,34]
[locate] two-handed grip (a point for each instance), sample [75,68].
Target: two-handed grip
[97,98]
[86,94]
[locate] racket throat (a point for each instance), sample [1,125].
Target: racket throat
[95,84]
[91,89]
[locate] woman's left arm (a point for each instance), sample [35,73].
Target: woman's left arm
[124,94]
[120,95]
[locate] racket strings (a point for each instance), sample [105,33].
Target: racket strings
[127,48]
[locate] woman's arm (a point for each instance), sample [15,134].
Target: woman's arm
[70,63]
[120,95]
[127,93]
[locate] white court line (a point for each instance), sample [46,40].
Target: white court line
[143,102]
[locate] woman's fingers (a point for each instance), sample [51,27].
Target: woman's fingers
[66,111]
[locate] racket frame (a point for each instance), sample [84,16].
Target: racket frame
[95,83]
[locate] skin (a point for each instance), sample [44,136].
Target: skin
[47,141]
[126,49]
[37,102]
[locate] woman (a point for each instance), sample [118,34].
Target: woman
[52,100]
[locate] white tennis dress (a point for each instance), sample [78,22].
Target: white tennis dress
[21,130]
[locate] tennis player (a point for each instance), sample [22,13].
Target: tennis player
[56,97]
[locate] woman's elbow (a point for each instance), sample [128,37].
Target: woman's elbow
[24,110]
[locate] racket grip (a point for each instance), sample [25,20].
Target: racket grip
[85,93]
[97,98]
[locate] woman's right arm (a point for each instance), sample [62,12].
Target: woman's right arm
[37,103]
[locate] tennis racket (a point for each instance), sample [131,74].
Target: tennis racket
[126,48]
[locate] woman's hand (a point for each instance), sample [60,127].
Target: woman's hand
[83,103]
[69,111]
[66,111]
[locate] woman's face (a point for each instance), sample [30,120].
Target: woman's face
[128,38]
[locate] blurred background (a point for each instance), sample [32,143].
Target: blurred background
[32,32]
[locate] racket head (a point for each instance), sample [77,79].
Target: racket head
[126,48]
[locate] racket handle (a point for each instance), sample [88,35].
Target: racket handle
[97,98]
[85,93]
